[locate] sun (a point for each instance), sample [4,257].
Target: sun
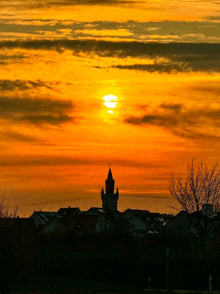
[110,101]
[110,108]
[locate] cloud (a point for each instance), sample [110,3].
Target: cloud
[147,194]
[88,2]
[175,106]
[153,119]
[38,202]
[4,59]
[45,119]
[180,56]
[215,17]
[195,135]
[119,49]
[17,136]
[178,31]
[183,122]
[11,85]
[39,4]
[50,160]
[160,68]
[35,111]
[207,87]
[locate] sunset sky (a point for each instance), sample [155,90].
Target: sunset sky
[88,83]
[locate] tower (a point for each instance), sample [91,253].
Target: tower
[109,196]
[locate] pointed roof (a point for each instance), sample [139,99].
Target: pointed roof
[110,175]
[68,211]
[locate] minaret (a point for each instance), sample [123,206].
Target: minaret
[108,196]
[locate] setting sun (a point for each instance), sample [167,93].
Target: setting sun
[110,101]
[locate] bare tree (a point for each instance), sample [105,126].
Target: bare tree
[6,211]
[200,187]
[197,194]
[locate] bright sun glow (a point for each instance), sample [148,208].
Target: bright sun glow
[110,101]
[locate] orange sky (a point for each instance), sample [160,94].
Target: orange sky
[59,59]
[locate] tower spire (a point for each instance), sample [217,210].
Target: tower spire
[109,197]
[110,183]
[110,177]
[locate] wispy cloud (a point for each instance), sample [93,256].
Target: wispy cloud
[4,59]
[16,136]
[119,49]
[210,87]
[163,31]
[182,121]
[38,4]
[11,85]
[157,67]
[35,111]
[194,56]
[50,160]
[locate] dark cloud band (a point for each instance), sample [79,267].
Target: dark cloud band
[182,121]
[11,85]
[160,68]
[50,160]
[181,56]
[120,49]
[35,111]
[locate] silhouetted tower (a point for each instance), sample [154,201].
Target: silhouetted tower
[109,196]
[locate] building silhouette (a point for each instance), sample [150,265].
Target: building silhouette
[109,196]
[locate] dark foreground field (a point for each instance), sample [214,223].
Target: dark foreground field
[60,285]
[113,263]
[48,284]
